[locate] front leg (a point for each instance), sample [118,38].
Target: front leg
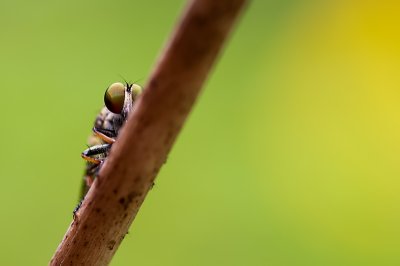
[104,135]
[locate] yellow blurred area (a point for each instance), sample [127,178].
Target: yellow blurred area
[329,132]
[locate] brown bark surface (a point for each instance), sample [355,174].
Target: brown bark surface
[147,137]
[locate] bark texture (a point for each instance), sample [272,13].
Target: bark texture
[147,137]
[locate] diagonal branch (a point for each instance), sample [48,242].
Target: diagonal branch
[142,147]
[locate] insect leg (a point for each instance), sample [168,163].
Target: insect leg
[101,133]
[74,215]
[90,153]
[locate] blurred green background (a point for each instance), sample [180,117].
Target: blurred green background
[290,157]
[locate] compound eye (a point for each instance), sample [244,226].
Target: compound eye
[136,91]
[114,97]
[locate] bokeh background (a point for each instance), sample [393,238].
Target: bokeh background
[290,157]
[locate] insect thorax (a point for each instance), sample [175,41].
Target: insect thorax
[108,123]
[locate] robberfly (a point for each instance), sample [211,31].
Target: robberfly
[119,100]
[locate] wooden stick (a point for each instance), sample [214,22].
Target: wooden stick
[142,147]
